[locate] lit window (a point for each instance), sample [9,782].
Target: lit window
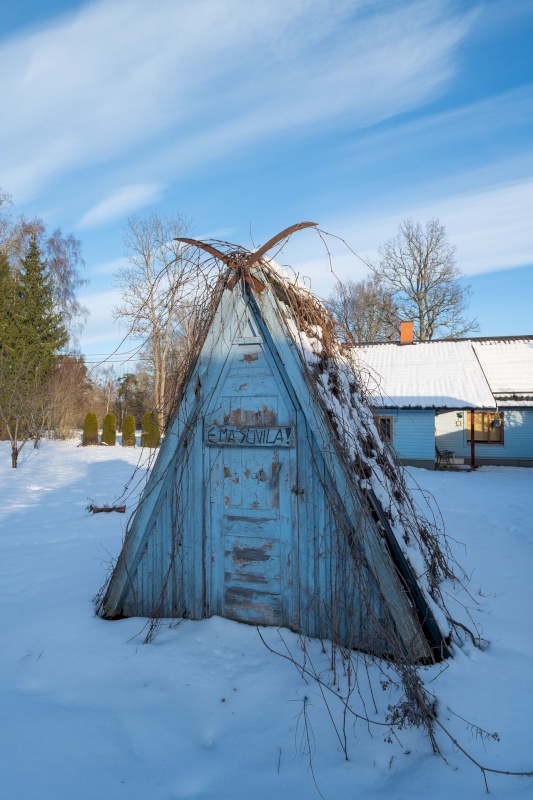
[385,428]
[488,427]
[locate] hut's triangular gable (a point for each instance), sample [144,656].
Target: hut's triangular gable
[168,553]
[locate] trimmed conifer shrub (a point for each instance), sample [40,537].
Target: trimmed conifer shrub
[150,436]
[90,430]
[109,430]
[128,431]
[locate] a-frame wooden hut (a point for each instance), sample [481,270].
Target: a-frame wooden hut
[259,507]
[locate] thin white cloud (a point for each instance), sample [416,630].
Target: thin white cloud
[491,229]
[502,118]
[100,328]
[213,76]
[107,268]
[122,201]
[102,335]
[221,234]
[100,304]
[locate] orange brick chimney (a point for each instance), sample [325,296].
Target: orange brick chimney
[406,332]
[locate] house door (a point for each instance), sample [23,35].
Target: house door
[250,449]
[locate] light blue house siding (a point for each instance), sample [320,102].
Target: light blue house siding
[517,447]
[413,435]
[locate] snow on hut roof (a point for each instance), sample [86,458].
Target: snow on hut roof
[436,374]
[286,274]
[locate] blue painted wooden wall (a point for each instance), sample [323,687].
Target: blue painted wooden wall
[248,513]
[270,546]
[413,433]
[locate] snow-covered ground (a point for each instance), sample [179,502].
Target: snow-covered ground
[89,712]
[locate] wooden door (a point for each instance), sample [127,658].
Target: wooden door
[250,450]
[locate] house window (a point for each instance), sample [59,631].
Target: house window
[385,428]
[488,427]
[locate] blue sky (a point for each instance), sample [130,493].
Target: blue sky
[249,116]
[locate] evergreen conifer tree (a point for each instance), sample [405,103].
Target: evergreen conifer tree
[109,430]
[41,332]
[128,431]
[6,330]
[17,382]
[32,330]
[150,436]
[90,430]
[9,308]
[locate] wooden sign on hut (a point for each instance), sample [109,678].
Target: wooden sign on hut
[272,500]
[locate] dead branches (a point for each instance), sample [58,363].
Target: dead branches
[105,509]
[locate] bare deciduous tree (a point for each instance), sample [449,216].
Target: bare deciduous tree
[364,311]
[14,230]
[20,403]
[158,286]
[103,393]
[63,258]
[62,254]
[66,396]
[418,267]
[134,392]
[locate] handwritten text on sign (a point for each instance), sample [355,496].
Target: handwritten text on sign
[218,435]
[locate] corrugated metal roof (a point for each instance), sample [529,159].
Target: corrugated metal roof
[463,373]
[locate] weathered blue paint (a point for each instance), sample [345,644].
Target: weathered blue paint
[413,433]
[270,528]
[517,447]
[251,508]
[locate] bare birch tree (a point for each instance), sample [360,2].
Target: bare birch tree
[157,286]
[15,231]
[64,259]
[418,267]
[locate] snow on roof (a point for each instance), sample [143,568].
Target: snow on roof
[507,364]
[287,275]
[437,374]
[465,373]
